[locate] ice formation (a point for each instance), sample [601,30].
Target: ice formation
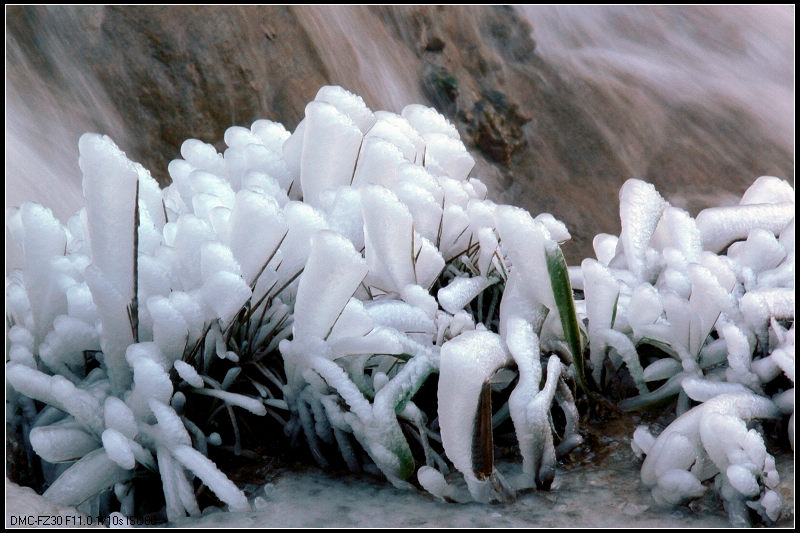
[722,324]
[323,277]
[318,275]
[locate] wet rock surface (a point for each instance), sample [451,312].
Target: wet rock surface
[547,137]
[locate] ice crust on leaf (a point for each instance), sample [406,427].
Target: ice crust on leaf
[640,208]
[215,480]
[378,161]
[720,226]
[768,190]
[427,120]
[349,104]
[388,233]
[530,406]
[62,442]
[93,473]
[460,292]
[467,362]
[43,240]
[188,373]
[333,270]
[331,144]
[110,183]
[252,249]
[118,416]
[58,392]
[524,239]
[118,449]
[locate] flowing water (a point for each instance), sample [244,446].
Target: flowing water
[653,60]
[739,57]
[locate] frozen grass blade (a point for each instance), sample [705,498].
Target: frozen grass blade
[562,291]
[133,308]
[483,441]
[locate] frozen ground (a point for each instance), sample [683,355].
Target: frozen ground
[608,494]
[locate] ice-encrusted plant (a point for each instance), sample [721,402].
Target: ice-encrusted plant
[100,363]
[713,300]
[321,277]
[431,286]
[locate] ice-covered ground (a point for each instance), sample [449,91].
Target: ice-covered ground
[606,494]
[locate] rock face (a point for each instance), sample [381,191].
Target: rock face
[547,136]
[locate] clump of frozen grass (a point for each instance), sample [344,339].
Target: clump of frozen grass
[713,299]
[321,278]
[370,330]
[82,345]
